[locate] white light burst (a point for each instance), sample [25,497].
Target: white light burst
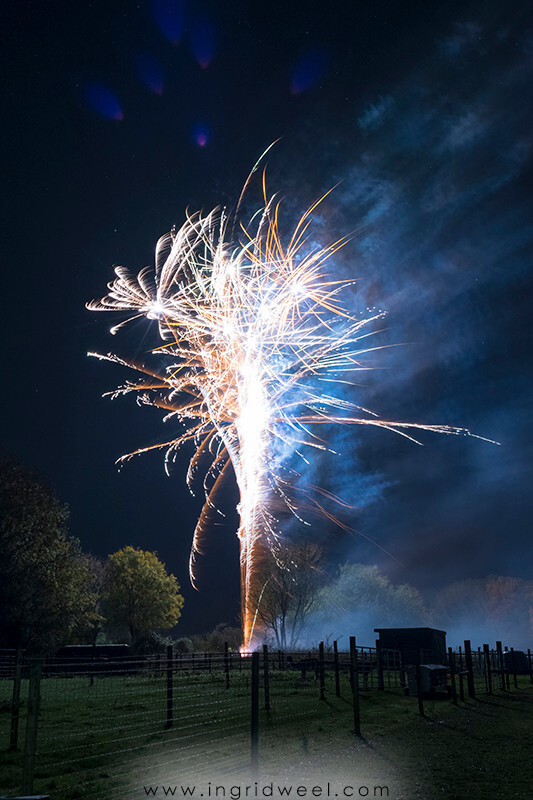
[251,328]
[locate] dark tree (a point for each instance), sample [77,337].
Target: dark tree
[289,591]
[215,640]
[92,624]
[44,592]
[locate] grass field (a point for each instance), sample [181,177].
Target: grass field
[109,739]
[479,750]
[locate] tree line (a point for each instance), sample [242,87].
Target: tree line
[51,593]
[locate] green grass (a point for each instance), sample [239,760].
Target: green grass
[96,741]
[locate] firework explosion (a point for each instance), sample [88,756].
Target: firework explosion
[254,342]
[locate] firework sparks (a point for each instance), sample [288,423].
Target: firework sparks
[249,329]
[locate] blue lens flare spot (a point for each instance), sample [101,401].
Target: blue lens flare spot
[201,135]
[308,71]
[203,40]
[102,100]
[150,72]
[168,15]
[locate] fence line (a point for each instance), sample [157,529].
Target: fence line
[85,720]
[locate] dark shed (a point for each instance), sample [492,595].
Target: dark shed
[410,641]
[90,658]
[86,652]
[515,661]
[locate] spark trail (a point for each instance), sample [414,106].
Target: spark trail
[255,341]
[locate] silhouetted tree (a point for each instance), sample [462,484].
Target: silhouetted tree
[288,591]
[44,593]
[89,628]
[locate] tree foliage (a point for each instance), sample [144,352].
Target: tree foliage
[140,594]
[495,607]
[361,598]
[92,625]
[44,591]
[289,591]
[215,640]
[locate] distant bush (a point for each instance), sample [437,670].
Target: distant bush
[184,645]
[214,641]
[151,642]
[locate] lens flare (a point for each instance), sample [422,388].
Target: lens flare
[201,134]
[202,37]
[257,350]
[150,72]
[169,16]
[104,101]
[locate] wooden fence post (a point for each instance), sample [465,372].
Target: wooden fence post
[170,687]
[255,714]
[266,677]
[354,680]
[451,662]
[32,720]
[91,679]
[529,662]
[502,668]
[488,670]
[337,673]
[15,701]
[470,670]
[461,677]
[515,679]
[226,663]
[381,682]
[506,672]
[321,674]
[419,695]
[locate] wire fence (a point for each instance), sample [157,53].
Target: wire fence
[97,729]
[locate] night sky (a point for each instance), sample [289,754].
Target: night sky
[118,116]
